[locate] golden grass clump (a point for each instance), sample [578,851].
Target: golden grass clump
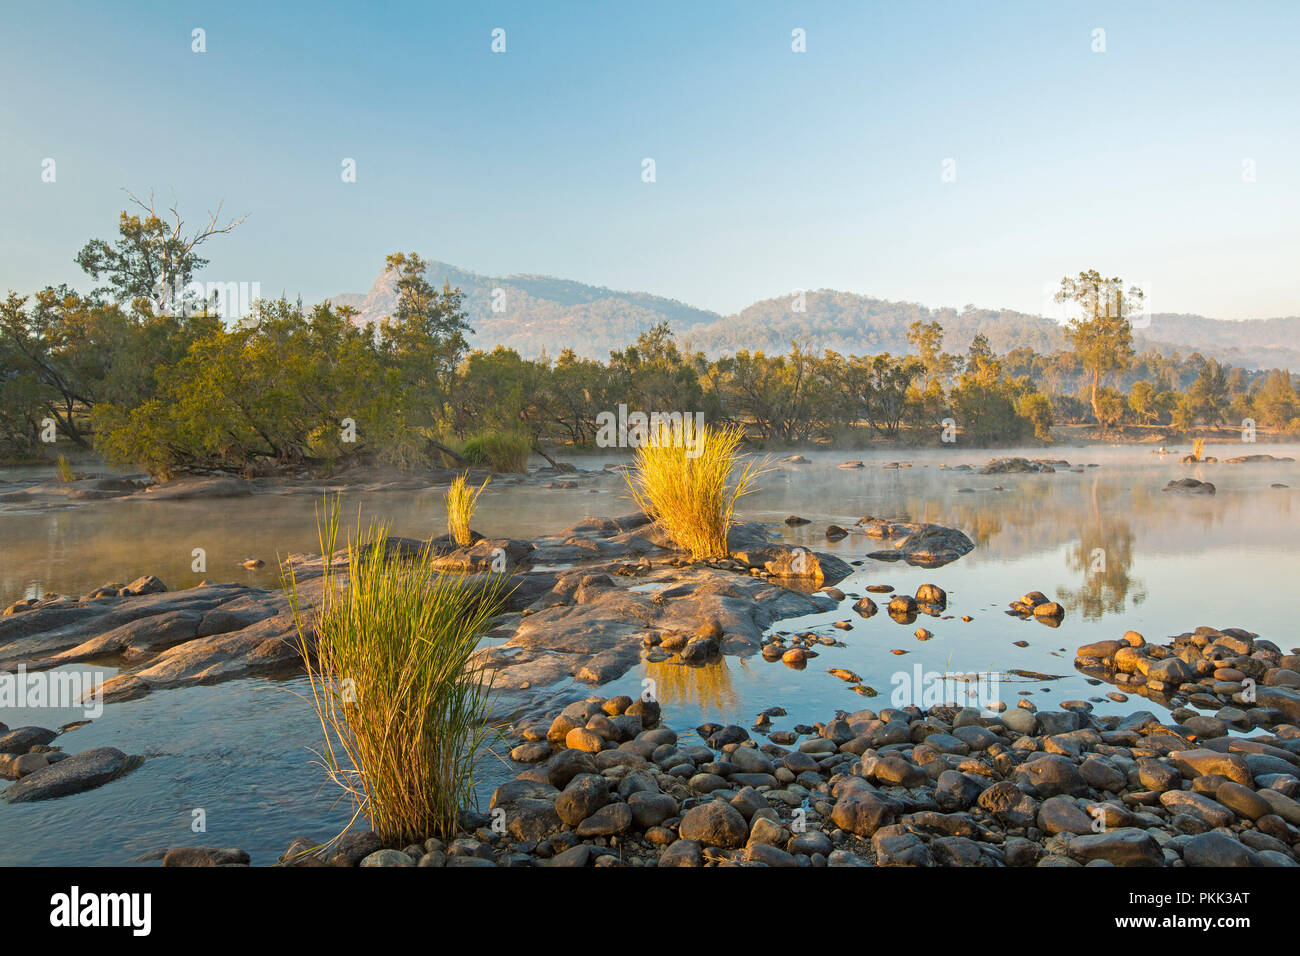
[65,470]
[680,480]
[1198,448]
[462,500]
[401,699]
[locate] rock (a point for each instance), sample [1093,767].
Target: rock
[682,853]
[566,765]
[714,824]
[207,856]
[531,752]
[609,820]
[651,809]
[769,855]
[933,595]
[1020,720]
[585,794]
[23,764]
[532,819]
[1190,486]
[386,858]
[574,856]
[1198,762]
[1218,849]
[1125,846]
[928,546]
[1062,815]
[582,739]
[1051,611]
[1011,805]
[23,739]
[1102,774]
[1051,775]
[900,849]
[1211,812]
[1283,806]
[810,842]
[148,584]
[355,846]
[1242,800]
[860,812]
[955,791]
[84,771]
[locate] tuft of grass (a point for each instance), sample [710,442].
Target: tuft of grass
[461,502]
[401,700]
[682,482]
[65,470]
[500,451]
[1198,448]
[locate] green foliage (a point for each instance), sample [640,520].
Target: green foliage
[500,451]
[1102,336]
[1036,408]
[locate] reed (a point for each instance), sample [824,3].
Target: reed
[401,699]
[500,451]
[65,470]
[462,500]
[680,479]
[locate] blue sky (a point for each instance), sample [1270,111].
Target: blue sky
[775,170]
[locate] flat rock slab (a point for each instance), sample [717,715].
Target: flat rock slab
[83,771]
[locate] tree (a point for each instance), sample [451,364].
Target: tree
[1109,406]
[1141,402]
[1102,337]
[936,364]
[1034,407]
[151,256]
[1276,403]
[1207,399]
[424,339]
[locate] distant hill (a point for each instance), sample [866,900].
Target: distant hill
[540,312]
[858,324]
[543,313]
[1249,343]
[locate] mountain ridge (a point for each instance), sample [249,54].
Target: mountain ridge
[539,314]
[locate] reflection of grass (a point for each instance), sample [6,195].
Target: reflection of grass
[709,686]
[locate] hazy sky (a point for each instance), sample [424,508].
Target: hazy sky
[775,170]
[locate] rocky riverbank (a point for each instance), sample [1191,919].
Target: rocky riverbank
[608,784]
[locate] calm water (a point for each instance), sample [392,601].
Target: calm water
[1108,543]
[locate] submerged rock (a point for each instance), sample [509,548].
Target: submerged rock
[83,771]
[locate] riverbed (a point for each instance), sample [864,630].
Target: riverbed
[1107,542]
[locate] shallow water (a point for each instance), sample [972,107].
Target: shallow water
[240,751]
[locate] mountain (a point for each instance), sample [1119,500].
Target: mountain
[540,312]
[543,313]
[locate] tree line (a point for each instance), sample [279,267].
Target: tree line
[175,388]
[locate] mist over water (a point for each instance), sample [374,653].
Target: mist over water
[240,751]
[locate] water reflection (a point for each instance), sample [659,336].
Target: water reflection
[1104,556]
[708,686]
